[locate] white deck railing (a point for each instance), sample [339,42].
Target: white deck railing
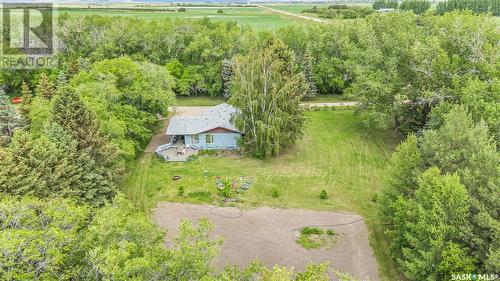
[161,148]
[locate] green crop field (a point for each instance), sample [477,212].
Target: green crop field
[336,153]
[256,17]
[294,8]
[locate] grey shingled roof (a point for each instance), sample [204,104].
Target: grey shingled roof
[214,117]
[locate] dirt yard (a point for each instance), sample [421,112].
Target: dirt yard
[269,235]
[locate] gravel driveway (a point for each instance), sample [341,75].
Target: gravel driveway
[269,235]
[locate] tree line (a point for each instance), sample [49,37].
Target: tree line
[417,6]
[385,4]
[420,6]
[340,11]
[477,6]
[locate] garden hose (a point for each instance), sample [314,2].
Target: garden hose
[225,216]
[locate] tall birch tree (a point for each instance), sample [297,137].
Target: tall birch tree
[267,90]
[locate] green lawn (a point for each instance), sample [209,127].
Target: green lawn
[326,98]
[199,101]
[336,154]
[254,16]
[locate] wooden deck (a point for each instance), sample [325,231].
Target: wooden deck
[177,153]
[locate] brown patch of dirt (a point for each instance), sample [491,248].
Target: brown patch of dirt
[159,138]
[269,235]
[189,110]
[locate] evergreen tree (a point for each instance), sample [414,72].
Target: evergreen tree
[62,81]
[307,68]
[227,77]
[51,167]
[45,88]
[476,6]
[267,92]
[10,121]
[27,97]
[385,4]
[417,6]
[71,113]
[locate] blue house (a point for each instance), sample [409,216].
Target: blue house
[213,129]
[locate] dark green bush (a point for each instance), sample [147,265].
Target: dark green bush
[323,195]
[180,190]
[311,230]
[275,193]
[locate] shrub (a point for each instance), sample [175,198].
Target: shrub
[315,238]
[180,190]
[181,9]
[311,230]
[192,159]
[220,11]
[226,191]
[275,193]
[323,195]
[374,197]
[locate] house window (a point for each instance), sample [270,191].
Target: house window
[209,138]
[195,138]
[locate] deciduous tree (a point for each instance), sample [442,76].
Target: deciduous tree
[465,148]
[429,229]
[39,238]
[267,91]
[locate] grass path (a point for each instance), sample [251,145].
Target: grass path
[141,172]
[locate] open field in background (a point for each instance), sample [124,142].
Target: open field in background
[336,154]
[256,17]
[299,7]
